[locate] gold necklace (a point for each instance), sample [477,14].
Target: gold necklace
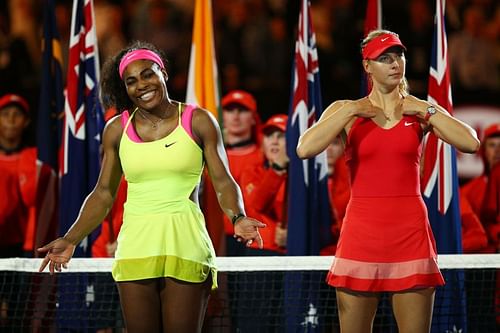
[154,124]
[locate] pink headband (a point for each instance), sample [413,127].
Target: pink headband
[139,54]
[379,44]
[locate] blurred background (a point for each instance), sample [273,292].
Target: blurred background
[255,42]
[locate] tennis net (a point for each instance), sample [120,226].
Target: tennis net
[256,294]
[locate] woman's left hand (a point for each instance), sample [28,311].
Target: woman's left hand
[412,106]
[246,230]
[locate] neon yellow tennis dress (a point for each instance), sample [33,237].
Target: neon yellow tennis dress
[163,232]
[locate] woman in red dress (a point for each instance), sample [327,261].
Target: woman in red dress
[386,243]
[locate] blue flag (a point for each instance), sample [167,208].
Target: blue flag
[309,214]
[51,107]
[440,188]
[48,130]
[80,164]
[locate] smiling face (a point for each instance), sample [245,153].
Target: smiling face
[146,84]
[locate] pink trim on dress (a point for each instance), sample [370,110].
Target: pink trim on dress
[186,120]
[364,270]
[131,133]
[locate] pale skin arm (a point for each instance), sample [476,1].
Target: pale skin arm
[336,119]
[446,127]
[206,129]
[95,207]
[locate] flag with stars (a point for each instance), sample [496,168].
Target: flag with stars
[79,155]
[440,189]
[83,119]
[309,217]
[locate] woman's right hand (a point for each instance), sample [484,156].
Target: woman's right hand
[363,108]
[59,253]
[246,230]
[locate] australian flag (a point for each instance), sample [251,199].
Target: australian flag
[309,217]
[440,188]
[80,157]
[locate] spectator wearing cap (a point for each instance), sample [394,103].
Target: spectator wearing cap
[265,191]
[264,185]
[18,178]
[17,196]
[241,123]
[480,298]
[475,189]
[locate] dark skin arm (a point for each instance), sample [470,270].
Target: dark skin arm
[95,207]
[207,131]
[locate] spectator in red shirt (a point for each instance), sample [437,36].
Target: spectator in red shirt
[17,197]
[475,190]
[265,191]
[481,298]
[264,187]
[18,169]
[241,131]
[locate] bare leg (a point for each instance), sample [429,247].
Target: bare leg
[184,305]
[356,310]
[141,305]
[413,310]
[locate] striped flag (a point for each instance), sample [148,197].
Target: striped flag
[309,217]
[440,188]
[203,80]
[80,157]
[83,121]
[373,21]
[48,129]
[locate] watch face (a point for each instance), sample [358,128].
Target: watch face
[431,110]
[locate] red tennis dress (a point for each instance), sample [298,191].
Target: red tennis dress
[386,242]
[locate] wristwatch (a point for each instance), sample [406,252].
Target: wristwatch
[431,110]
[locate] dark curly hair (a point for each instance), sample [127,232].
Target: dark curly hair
[113,90]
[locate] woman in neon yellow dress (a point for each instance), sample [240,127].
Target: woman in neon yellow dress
[165,262]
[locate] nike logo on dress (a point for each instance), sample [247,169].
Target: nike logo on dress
[407,123]
[384,39]
[169,144]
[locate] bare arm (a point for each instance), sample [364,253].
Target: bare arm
[336,119]
[228,193]
[95,206]
[446,127]
[98,203]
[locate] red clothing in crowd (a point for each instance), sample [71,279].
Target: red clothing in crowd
[264,193]
[110,227]
[475,192]
[238,158]
[18,193]
[474,237]
[491,208]
[339,190]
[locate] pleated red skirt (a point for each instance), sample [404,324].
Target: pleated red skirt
[386,244]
